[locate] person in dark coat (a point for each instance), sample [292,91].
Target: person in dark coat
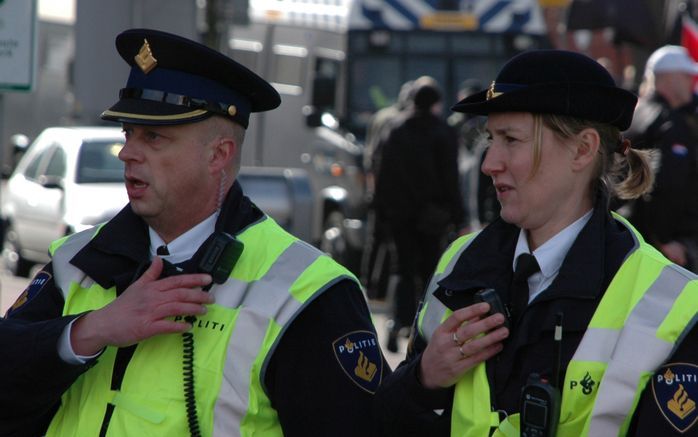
[417,196]
[375,260]
[666,122]
[557,319]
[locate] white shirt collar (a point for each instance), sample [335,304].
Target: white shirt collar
[183,247]
[550,254]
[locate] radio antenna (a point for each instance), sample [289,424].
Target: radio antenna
[557,350]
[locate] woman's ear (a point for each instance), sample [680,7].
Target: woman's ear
[585,149]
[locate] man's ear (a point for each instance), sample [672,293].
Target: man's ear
[222,153]
[585,149]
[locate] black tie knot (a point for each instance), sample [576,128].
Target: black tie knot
[526,265]
[162,250]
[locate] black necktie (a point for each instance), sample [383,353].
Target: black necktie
[162,250]
[526,265]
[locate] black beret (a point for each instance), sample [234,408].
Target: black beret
[174,80]
[554,82]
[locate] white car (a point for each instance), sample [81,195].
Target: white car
[69,179]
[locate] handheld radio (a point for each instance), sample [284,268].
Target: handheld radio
[491,296]
[219,255]
[540,408]
[540,399]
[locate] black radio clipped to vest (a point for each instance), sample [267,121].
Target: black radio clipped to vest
[219,254]
[540,399]
[540,408]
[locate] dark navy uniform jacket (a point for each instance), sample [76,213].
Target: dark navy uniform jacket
[307,385]
[407,409]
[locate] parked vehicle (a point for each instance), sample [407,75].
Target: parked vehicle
[71,178]
[335,63]
[68,180]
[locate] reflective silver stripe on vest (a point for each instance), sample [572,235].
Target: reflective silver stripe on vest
[64,273]
[435,309]
[260,302]
[631,352]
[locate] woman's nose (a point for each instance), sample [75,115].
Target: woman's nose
[492,163]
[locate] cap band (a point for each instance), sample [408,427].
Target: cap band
[177,99]
[188,86]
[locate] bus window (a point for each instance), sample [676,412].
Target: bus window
[246,52]
[288,67]
[326,77]
[375,83]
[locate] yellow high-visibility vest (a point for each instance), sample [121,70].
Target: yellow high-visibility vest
[274,278]
[648,305]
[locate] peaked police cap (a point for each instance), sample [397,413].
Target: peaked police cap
[554,82]
[174,80]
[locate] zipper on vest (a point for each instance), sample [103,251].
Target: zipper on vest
[123,357]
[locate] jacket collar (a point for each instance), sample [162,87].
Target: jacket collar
[595,256]
[114,255]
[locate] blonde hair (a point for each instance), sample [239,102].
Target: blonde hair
[626,175]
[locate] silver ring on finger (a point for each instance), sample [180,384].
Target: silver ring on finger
[462,354]
[456,340]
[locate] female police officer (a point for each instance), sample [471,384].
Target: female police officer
[606,321]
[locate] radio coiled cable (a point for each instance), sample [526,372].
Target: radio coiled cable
[188,376]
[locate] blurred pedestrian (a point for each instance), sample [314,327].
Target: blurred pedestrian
[417,196]
[380,122]
[375,260]
[480,197]
[666,123]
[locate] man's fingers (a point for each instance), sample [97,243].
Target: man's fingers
[188,295]
[174,309]
[167,326]
[153,272]
[194,280]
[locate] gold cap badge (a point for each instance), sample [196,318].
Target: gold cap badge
[232,110]
[145,59]
[491,94]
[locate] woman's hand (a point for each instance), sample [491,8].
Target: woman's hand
[462,341]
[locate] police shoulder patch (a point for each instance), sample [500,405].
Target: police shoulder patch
[675,389]
[360,358]
[33,289]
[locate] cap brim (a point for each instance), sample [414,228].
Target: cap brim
[152,113]
[688,69]
[551,98]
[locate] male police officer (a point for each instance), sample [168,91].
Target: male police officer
[282,343]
